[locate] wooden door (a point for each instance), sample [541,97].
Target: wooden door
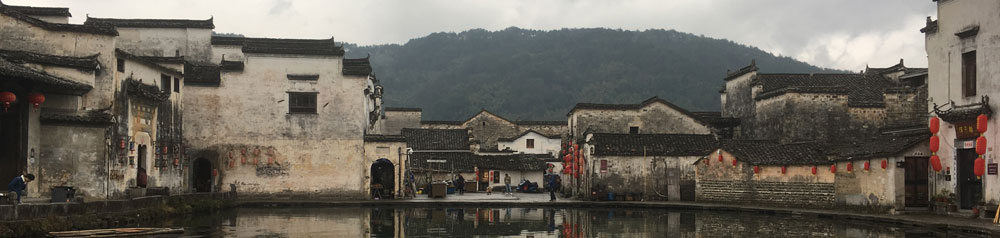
[916,182]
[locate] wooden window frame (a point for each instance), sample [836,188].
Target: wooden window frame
[165,83]
[177,85]
[529,143]
[604,166]
[636,131]
[969,74]
[296,105]
[121,65]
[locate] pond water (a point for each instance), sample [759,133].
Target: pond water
[524,222]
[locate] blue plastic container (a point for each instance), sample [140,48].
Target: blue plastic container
[611,196]
[451,190]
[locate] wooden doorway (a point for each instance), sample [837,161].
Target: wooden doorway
[970,188]
[916,181]
[13,141]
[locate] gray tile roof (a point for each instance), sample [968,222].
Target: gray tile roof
[10,71]
[863,90]
[385,138]
[202,74]
[282,46]
[357,67]
[150,61]
[76,118]
[436,139]
[652,144]
[881,145]
[150,23]
[403,109]
[525,133]
[647,102]
[769,152]
[42,11]
[100,30]
[85,63]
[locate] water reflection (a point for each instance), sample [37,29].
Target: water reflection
[524,222]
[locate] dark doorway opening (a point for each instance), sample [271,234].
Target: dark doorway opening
[970,188]
[202,173]
[13,140]
[383,179]
[916,191]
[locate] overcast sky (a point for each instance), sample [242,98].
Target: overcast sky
[843,34]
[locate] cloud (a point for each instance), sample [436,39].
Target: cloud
[280,6]
[844,34]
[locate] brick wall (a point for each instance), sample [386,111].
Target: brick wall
[774,193]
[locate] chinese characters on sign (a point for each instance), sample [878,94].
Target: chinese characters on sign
[966,130]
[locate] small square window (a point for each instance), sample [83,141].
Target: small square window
[177,85]
[530,143]
[633,130]
[604,166]
[301,102]
[165,83]
[121,65]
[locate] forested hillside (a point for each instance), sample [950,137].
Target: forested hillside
[539,75]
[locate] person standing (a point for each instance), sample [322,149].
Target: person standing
[552,187]
[19,185]
[506,181]
[460,185]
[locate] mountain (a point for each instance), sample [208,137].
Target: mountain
[539,75]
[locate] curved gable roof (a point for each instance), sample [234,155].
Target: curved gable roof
[632,107]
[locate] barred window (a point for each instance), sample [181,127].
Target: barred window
[302,102]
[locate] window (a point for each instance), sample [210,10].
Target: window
[165,83]
[177,85]
[121,65]
[969,74]
[301,102]
[529,143]
[308,77]
[633,130]
[604,166]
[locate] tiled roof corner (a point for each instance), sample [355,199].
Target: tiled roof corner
[61,27]
[357,67]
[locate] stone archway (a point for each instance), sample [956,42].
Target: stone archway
[382,179]
[202,175]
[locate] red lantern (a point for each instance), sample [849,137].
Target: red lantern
[885,164]
[720,156]
[867,166]
[164,149]
[783,169]
[756,169]
[935,125]
[814,170]
[833,168]
[936,163]
[215,172]
[734,162]
[979,167]
[981,145]
[176,162]
[934,144]
[123,143]
[7,98]
[36,99]
[850,167]
[981,123]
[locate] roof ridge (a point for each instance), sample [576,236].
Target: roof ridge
[151,22]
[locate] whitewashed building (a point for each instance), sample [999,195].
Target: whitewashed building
[963,82]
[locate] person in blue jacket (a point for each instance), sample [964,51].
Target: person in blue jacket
[19,185]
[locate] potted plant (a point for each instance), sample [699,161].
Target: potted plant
[942,203]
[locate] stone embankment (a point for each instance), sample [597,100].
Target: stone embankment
[33,219]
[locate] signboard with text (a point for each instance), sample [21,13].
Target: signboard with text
[966,130]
